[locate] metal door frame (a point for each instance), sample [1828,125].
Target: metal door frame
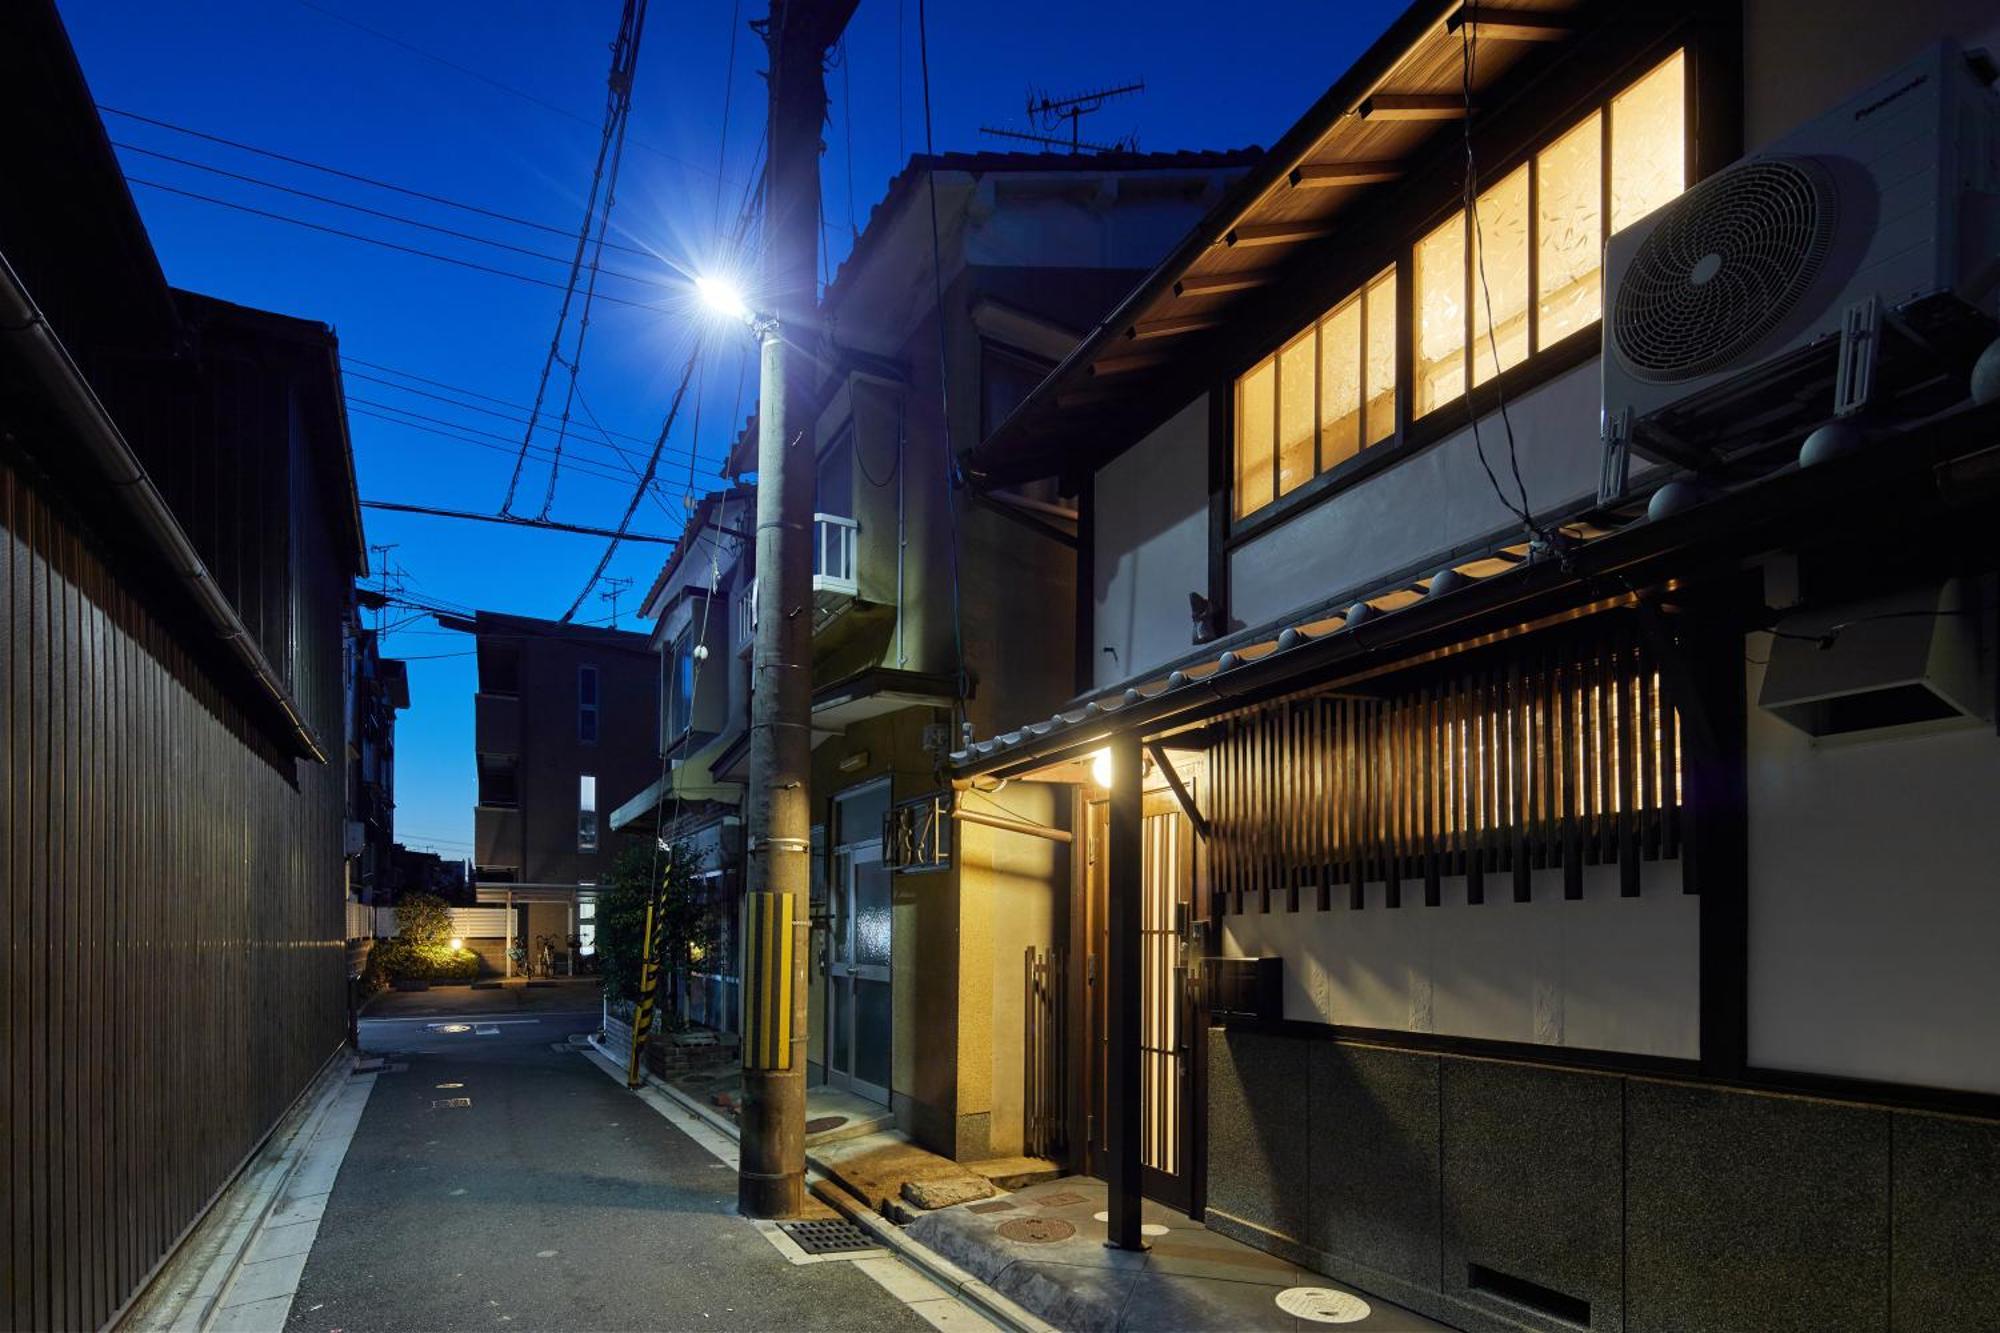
[842,972]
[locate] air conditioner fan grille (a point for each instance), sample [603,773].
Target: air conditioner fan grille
[1730,259]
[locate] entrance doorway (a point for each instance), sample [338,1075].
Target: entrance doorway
[859,1033]
[1167,1091]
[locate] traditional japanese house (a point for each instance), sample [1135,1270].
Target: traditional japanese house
[1534,736]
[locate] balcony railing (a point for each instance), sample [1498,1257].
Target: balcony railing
[833,554]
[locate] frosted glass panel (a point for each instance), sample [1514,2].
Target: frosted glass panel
[1340,384]
[1295,413]
[1381,362]
[1256,423]
[1500,277]
[1440,305]
[1648,143]
[871,914]
[1569,239]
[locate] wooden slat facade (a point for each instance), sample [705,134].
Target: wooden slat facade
[170,903]
[1555,752]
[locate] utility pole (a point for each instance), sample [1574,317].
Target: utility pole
[771,1175]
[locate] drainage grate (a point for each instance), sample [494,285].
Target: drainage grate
[1037,1230]
[827,1237]
[447,1103]
[1061,1199]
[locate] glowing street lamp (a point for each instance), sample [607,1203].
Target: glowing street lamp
[722,296]
[456,944]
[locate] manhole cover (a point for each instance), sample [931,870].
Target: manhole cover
[1061,1199]
[1323,1305]
[990,1206]
[1145,1228]
[486,1030]
[448,1103]
[820,1124]
[827,1237]
[1037,1230]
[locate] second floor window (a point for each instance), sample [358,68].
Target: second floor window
[680,688]
[586,813]
[586,704]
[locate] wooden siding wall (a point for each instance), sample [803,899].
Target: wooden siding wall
[170,912]
[1556,751]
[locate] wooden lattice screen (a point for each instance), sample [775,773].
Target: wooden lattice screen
[1560,750]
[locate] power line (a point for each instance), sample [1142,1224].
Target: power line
[387,245]
[373,181]
[492,82]
[610,145]
[507,445]
[494,435]
[403,219]
[512,520]
[489,411]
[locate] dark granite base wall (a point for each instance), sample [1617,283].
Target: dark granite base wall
[1440,1182]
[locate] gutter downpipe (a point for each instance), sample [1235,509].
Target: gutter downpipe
[104,444]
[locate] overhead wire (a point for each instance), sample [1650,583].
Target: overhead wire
[372,181]
[378,241]
[387,216]
[617,105]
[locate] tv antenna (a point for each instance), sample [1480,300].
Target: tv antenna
[1047,114]
[612,588]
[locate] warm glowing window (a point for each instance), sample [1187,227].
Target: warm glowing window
[1569,231]
[1320,399]
[1537,236]
[1440,351]
[1648,143]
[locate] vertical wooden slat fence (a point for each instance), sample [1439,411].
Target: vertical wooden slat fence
[170,918]
[1554,752]
[1046,1075]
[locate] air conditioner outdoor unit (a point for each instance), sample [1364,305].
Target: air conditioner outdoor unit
[1771,294]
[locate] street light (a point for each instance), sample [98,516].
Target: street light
[722,296]
[456,944]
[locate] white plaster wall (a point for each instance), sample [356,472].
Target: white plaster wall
[1605,973]
[1875,904]
[1151,546]
[1425,504]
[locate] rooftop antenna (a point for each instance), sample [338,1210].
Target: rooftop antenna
[391,578]
[1047,115]
[613,587]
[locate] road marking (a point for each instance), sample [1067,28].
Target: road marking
[483,1018]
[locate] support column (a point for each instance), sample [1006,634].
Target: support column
[509,948]
[569,935]
[1124,848]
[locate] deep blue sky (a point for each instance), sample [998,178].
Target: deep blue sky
[292,76]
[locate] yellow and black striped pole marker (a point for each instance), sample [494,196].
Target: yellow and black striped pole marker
[649,976]
[767,1036]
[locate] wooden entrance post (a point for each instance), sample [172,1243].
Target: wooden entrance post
[1124,848]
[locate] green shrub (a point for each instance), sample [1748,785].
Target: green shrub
[396,960]
[424,919]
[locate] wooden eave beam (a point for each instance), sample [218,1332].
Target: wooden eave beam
[1172,326]
[1218,284]
[1125,365]
[1413,106]
[1333,175]
[1278,233]
[1511,25]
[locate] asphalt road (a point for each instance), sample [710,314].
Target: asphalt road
[555,1200]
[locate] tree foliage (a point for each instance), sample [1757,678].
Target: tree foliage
[690,919]
[424,920]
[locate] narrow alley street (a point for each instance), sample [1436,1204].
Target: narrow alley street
[553,1199]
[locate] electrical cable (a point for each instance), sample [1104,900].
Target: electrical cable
[377,241]
[507,446]
[1475,238]
[541,451]
[373,181]
[948,478]
[386,216]
[617,102]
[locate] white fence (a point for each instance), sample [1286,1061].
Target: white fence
[471,923]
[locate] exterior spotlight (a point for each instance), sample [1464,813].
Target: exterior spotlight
[456,944]
[1100,768]
[721,296]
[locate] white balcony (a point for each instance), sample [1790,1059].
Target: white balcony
[833,557]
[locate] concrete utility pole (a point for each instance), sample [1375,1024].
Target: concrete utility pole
[771,1174]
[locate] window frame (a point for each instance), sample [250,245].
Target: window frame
[593,708]
[1529,123]
[589,835]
